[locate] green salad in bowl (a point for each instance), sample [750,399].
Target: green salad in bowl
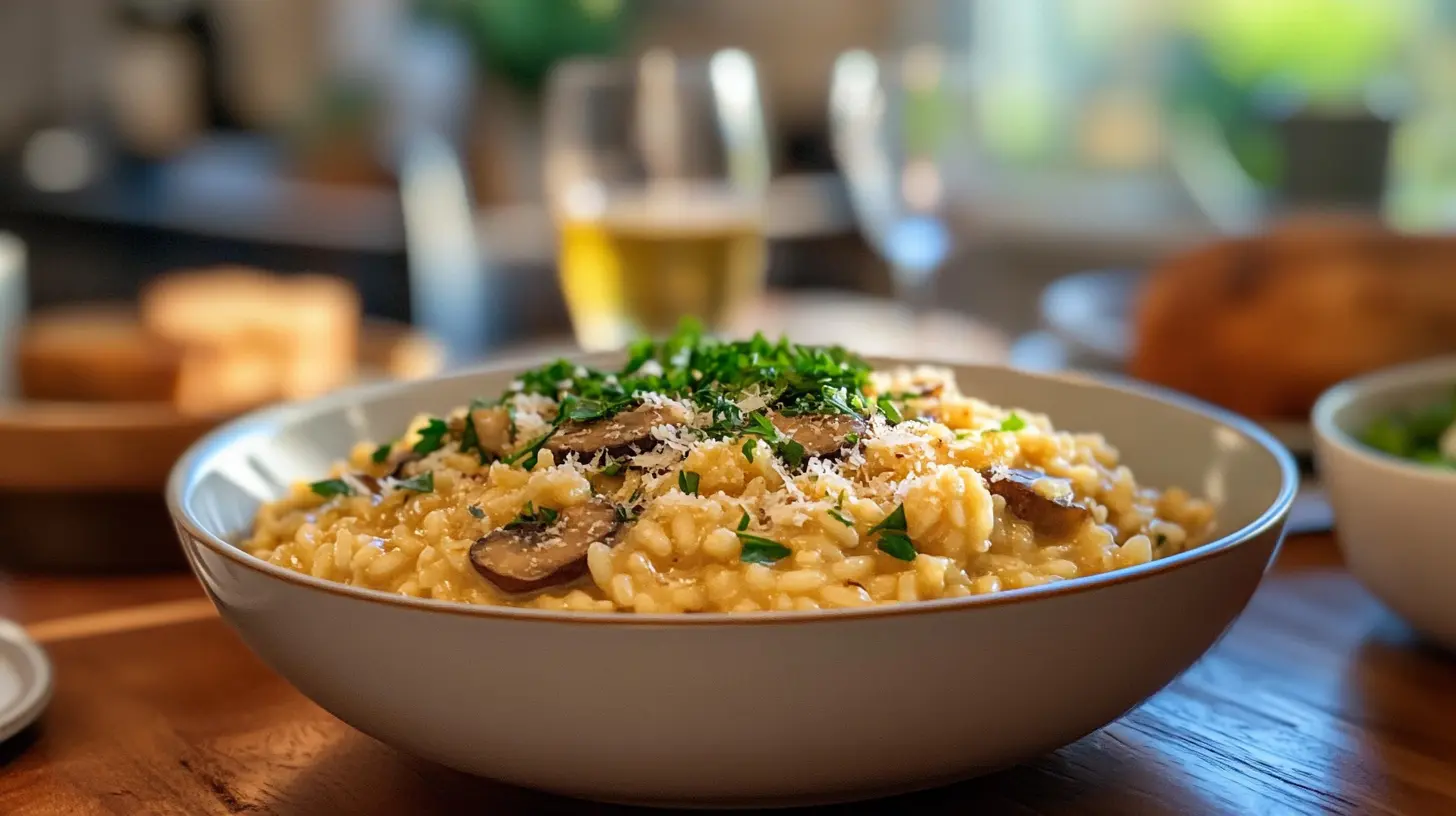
[1427,434]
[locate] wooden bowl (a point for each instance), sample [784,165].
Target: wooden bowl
[81,483]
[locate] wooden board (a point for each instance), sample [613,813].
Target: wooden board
[56,446]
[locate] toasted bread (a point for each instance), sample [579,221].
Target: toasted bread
[96,353]
[308,325]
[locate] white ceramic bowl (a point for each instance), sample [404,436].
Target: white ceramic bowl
[1395,519]
[740,710]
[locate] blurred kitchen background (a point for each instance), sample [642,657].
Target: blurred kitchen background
[140,136]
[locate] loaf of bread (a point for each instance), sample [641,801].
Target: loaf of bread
[96,353]
[104,353]
[206,342]
[1264,325]
[307,325]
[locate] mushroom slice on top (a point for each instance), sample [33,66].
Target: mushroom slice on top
[820,434]
[616,434]
[536,556]
[370,484]
[492,429]
[1034,497]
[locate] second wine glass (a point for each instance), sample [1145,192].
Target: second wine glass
[900,127]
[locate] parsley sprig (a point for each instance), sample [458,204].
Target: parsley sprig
[531,515]
[329,488]
[423,483]
[432,436]
[687,482]
[894,541]
[759,426]
[528,454]
[760,550]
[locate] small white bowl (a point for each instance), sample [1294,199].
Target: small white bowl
[778,708]
[1395,519]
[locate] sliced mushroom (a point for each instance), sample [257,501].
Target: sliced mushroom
[820,434]
[397,472]
[492,429]
[616,434]
[532,557]
[1056,515]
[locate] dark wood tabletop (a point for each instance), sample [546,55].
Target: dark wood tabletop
[1318,701]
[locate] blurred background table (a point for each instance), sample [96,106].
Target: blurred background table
[138,136]
[1317,701]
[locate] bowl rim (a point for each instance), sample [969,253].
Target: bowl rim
[1357,389]
[183,474]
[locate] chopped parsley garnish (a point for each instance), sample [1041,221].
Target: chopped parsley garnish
[432,436]
[712,374]
[625,513]
[715,376]
[687,482]
[792,452]
[1013,423]
[760,425]
[528,454]
[612,468]
[851,439]
[962,436]
[743,522]
[576,409]
[760,550]
[476,511]
[895,522]
[839,399]
[531,515]
[329,488]
[423,483]
[381,453]
[835,514]
[897,545]
[894,541]
[890,411]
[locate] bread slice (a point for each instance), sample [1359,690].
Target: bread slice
[307,325]
[96,353]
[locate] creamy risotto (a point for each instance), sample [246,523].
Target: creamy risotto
[713,476]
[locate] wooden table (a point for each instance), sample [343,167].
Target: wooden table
[1318,701]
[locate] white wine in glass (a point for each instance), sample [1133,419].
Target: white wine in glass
[656,173]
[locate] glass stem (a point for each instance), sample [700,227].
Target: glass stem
[915,287]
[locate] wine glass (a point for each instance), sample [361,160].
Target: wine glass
[900,128]
[656,173]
